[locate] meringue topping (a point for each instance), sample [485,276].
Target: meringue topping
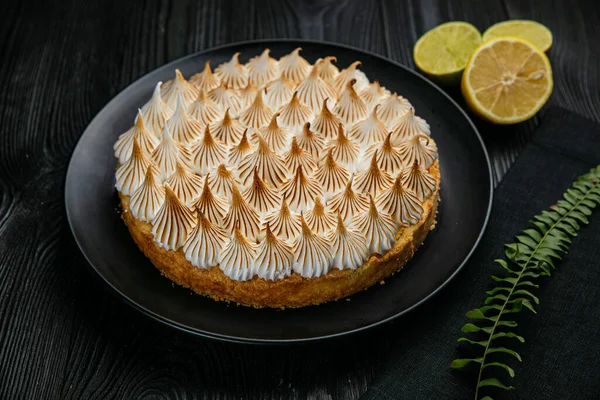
[300,191]
[310,141]
[226,98]
[415,150]
[408,126]
[389,158]
[345,76]
[392,108]
[419,180]
[261,196]
[348,203]
[293,67]
[172,223]
[204,245]
[313,91]
[296,156]
[262,69]
[186,185]
[146,139]
[208,152]
[241,215]
[247,95]
[270,166]
[312,256]
[369,130]
[279,93]
[156,112]
[212,207]
[373,93]
[274,259]
[373,180]
[221,181]
[232,73]
[147,199]
[378,228]
[205,81]
[284,222]
[331,175]
[318,219]
[228,130]
[180,86]
[131,175]
[350,108]
[343,150]
[184,128]
[277,138]
[239,152]
[326,123]
[401,203]
[349,247]
[294,114]
[237,261]
[327,71]
[204,109]
[168,151]
[258,114]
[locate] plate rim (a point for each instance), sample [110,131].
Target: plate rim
[258,341]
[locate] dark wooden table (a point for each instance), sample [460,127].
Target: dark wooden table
[63,335]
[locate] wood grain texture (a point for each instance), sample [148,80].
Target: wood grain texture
[63,334]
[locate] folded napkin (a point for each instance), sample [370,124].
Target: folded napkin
[561,353]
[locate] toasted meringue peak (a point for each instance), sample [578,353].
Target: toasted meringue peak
[296,156]
[312,256]
[204,109]
[262,69]
[241,215]
[204,245]
[130,175]
[277,138]
[346,75]
[221,180]
[166,154]
[326,123]
[344,151]
[205,81]
[313,91]
[331,176]
[310,141]
[300,191]
[212,207]
[348,203]
[226,99]
[415,150]
[401,203]
[228,130]
[373,93]
[237,261]
[373,180]
[279,93]
[240,151]
[184,128]
[392,108]
[208,152]
[408,126]
[176,86]
[284,222]
[146,139]
[294,67]
[327,71]
[419,180]
[172,223]
[247,95]
[294,114]
[258,114]
[156,112]
[349,247]
[369,130]
[318,219]
[378,228]
[261,196]
[350,108]
[232,73]
[274,260]
[147,199]
[389,158]
[270,166]
[186,185]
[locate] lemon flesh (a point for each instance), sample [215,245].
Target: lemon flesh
[507,80]
[443,52]
[531,31]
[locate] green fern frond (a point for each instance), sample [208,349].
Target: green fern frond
[534,254]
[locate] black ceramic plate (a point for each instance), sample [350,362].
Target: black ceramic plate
[466,191]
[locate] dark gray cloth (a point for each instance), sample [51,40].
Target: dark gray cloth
[561,355]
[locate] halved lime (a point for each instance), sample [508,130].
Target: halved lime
[531,31]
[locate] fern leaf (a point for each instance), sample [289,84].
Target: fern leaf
[494,382]
[508,369]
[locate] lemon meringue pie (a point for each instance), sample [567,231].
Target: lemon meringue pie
[277,182]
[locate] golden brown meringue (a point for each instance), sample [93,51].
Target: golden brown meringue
[242,215]
[408,126]
[318,219]
[350,108]
[401,203]
[146,139]
[279,93]
[205,81]
[208,152]
[373,180]
[418,180]
[184,128]
[228,130]
[247,95]
[258,114]
[345,76]
[204,109]
[221,180]
[237,261]
[369,130]
[327,71]
[261,196]
[312,257]
[172,223]
[180,86]
[326,123]
[262,69]
[274,260]
[205,243]
[212,207]
[296,156]
[270,166]
[300,191]
[233,74]
[331,176]
[166,154]
[186,185]
[313,91]
[294,114]
[348,203]
[392,108]
[344,151]
[349,246]
[240,151]
[284,222]
[415,150]
[310,141]
[378,228]
[389,158]
[156,112]
[277,138]
[293,67]
[372,94]
[226,99]
[131,175]
[146,200]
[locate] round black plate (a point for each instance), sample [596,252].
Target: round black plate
[466,191]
